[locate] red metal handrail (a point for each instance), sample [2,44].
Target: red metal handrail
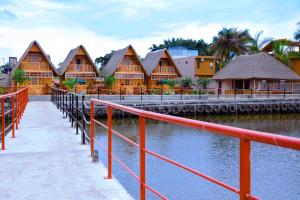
[19,100]
[246,136]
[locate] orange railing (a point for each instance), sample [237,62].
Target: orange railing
[16,103]
[245,136]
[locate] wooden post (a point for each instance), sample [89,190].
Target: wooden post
[3,124]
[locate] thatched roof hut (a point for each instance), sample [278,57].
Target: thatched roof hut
[256,66]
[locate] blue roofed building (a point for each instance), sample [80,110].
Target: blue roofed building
[182,51]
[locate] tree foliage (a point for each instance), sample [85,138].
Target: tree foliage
[297,32]
[19,76]
[70,83]
[5,68]
[186,82]
[200,45]
[203,82]
[280,51]
[230,42]
[109,81]
[256,43]
[103,60]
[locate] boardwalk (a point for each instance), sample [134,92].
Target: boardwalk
[46,161]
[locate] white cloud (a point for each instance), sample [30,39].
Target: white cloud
[58,41]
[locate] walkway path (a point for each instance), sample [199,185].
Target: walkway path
[46,161]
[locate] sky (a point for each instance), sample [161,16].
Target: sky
[105,25]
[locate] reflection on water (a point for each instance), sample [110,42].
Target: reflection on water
[275,171]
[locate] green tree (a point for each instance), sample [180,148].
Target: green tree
[200,45]
[230,42]
[70,83]
[280,51]
[203,82]
[19,76]
[109,81]
[5,68]
[103,60]
[171,83]
[186,82]
[297,32]
[256,43]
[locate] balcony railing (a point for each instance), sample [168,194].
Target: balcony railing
[40,74]
[81,75]
[35,66]
[163,76]
[122,75]
[164,69]
[129,68]
[80,68]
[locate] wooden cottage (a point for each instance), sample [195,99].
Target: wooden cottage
[79,65]
[160,66]
[257,73]
[128,70]
[38,69]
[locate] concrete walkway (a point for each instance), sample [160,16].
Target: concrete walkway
[46,161]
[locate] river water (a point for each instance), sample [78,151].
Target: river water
[275,171]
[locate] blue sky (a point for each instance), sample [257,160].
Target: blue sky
[103,25]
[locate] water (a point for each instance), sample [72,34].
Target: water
[275,171]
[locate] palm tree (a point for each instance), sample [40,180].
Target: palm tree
[297,33]
[229,42]
[280,51]
[257,43]
[203,82]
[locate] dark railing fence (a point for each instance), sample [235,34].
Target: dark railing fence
[73,107]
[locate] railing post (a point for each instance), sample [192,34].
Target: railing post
[218,93]
[98,91]
[63,103]
[284,93]
[245,167]
[251,92]
[199,93]
[120,94]
[142,122]
[66,104]
[3,124]
[141,94]
[161,93]
[181,94]
[17,102]
[268,92]
[13,115]
[76,99]
[109,142]
[92,127]
[234,93]
[72,110]
[83,122]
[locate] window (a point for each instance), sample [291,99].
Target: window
[33,57]
[34,81]
[78,64]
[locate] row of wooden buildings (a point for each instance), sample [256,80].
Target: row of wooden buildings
[132,73]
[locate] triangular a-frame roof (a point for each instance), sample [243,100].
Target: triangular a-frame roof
[64,66]
[116,58]
[152,59]
[43,52]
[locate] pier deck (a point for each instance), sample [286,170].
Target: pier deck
[46,161]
